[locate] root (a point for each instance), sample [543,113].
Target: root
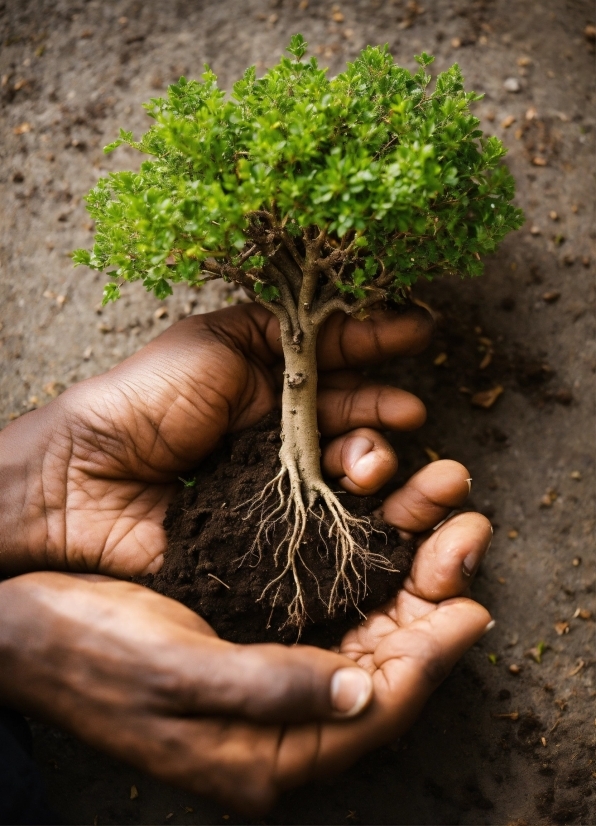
[345,538]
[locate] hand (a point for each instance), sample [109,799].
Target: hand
[145,679]
[86,480]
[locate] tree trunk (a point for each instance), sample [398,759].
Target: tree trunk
[300,452]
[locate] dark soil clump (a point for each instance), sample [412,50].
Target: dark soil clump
[207,568]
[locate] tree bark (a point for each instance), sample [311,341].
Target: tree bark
[300,451]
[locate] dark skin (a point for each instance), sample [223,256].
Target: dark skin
[84,484]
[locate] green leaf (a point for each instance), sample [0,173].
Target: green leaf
[297,46]
[111,292]
[424,59]
[81,257]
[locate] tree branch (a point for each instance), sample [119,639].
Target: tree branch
[287,301]
[339,304]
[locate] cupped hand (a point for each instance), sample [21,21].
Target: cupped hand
[86,480]
[145,679]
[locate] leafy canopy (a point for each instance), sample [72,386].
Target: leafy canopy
[371,155]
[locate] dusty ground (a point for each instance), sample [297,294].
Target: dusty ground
[492,746]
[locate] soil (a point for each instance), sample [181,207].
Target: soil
[211,567]
[509,737]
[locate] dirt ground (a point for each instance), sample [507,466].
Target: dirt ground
[510,736]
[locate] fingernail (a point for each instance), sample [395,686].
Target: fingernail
[472,561]
[469,481]
[490,626]
[357,447]
[351,690]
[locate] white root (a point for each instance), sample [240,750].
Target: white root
[345,536]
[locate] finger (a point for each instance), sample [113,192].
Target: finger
[348,342]
[427,497]
[272,683]
[362,461]
[447,560]
[368,405]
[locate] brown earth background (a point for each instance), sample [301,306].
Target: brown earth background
[510,736]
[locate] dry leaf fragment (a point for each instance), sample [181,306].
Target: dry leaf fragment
[486,360]
[583,613]
[501,580]
[543,741]
[22,128]
[303,5]
[510,119]
[551,296]
[134,792]
[562,628]
[538,161]
[486,341]
[440,359]
[486,398]
[53,388]
[524,61]
[432,454]
[169,815]
[512,715]
[581,664]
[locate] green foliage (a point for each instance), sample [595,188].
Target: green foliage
[370,156]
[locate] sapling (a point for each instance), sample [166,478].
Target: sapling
[317,196]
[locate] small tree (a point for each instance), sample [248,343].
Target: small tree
[318,196]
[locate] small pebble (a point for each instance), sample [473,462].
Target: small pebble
[577,561]
[514,669]
[512,84]
[554,216]
[506,123]
[551,297]
[575,474]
